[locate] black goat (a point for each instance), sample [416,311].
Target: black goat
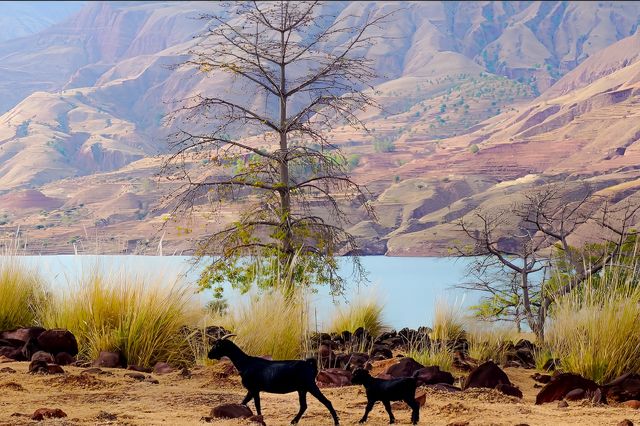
[261,375]
[403,389]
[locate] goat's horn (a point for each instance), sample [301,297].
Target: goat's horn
[226,336]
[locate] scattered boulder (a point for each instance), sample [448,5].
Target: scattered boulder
[140,369]
[625,422]
[445,387]
[333,377]
[22,334]
[561,385]
[463,362]
[326,356]
[64,358]
[162,368]
[623,388]
[541,378]
[151,380]
[509,390]
[109,359]
[58,340]
[42,367]
[185,372]
[563,404]
[575,394]
[433,375]
[136,376]
[487,375]
[7,370]
[43,356]
[95,371]
[406,367]
[257,419]
[632,403]
[231,411]
[421,398]
[381,351]
[48,413]
[356,360]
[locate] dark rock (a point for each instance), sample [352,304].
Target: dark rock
[185,372]
[462,362]
[140,369]
[445,387]
[257,420]
[12,353]
[106,417]
[458,423]
[382,350]
[356,360]
[561,385]
[625,422]
[109,359]
[231,411]
[43,356]
[333,377]
[575,394]
[22,334]
[623,388]
[433,375]
[632,403]
[405,368]
[42,367]
[64,358]
[421,398]
[58,340]
[509,390]
[7,370]
[162,368]
[487,375]
[135,376]
[48,413]
[597,396]
[563,404]
[541,378]
[326,356]
[346,336]
[551,364]
[151,380]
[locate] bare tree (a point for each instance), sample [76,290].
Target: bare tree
[535,235]
[504,266]
[294,71]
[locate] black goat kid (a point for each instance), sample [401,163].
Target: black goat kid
[261,375]
[386,391]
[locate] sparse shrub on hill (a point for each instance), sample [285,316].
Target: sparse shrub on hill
[382,144]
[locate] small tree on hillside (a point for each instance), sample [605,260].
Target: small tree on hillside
[294,72]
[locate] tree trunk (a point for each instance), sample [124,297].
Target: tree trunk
[284,190]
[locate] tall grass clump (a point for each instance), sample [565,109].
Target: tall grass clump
[22,294]
[594,330]
[490,343]
[141,316]
[274,323]
[365,312]
[447,328]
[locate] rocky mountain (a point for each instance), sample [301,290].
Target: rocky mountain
[20,18]
[481,100]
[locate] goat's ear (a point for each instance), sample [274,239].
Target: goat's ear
[227,336]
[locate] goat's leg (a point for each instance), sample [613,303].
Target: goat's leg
[302,395]
[387,406]
[367,409]
[313,390]
[415,410]
[247,398]
[256,400]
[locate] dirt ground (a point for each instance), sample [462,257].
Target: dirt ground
[176,400]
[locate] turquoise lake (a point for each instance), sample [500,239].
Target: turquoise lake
[409,287]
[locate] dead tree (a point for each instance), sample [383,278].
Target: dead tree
[293,72]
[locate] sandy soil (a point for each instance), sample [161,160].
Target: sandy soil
[184,401]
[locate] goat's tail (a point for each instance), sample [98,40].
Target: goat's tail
[313,362]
